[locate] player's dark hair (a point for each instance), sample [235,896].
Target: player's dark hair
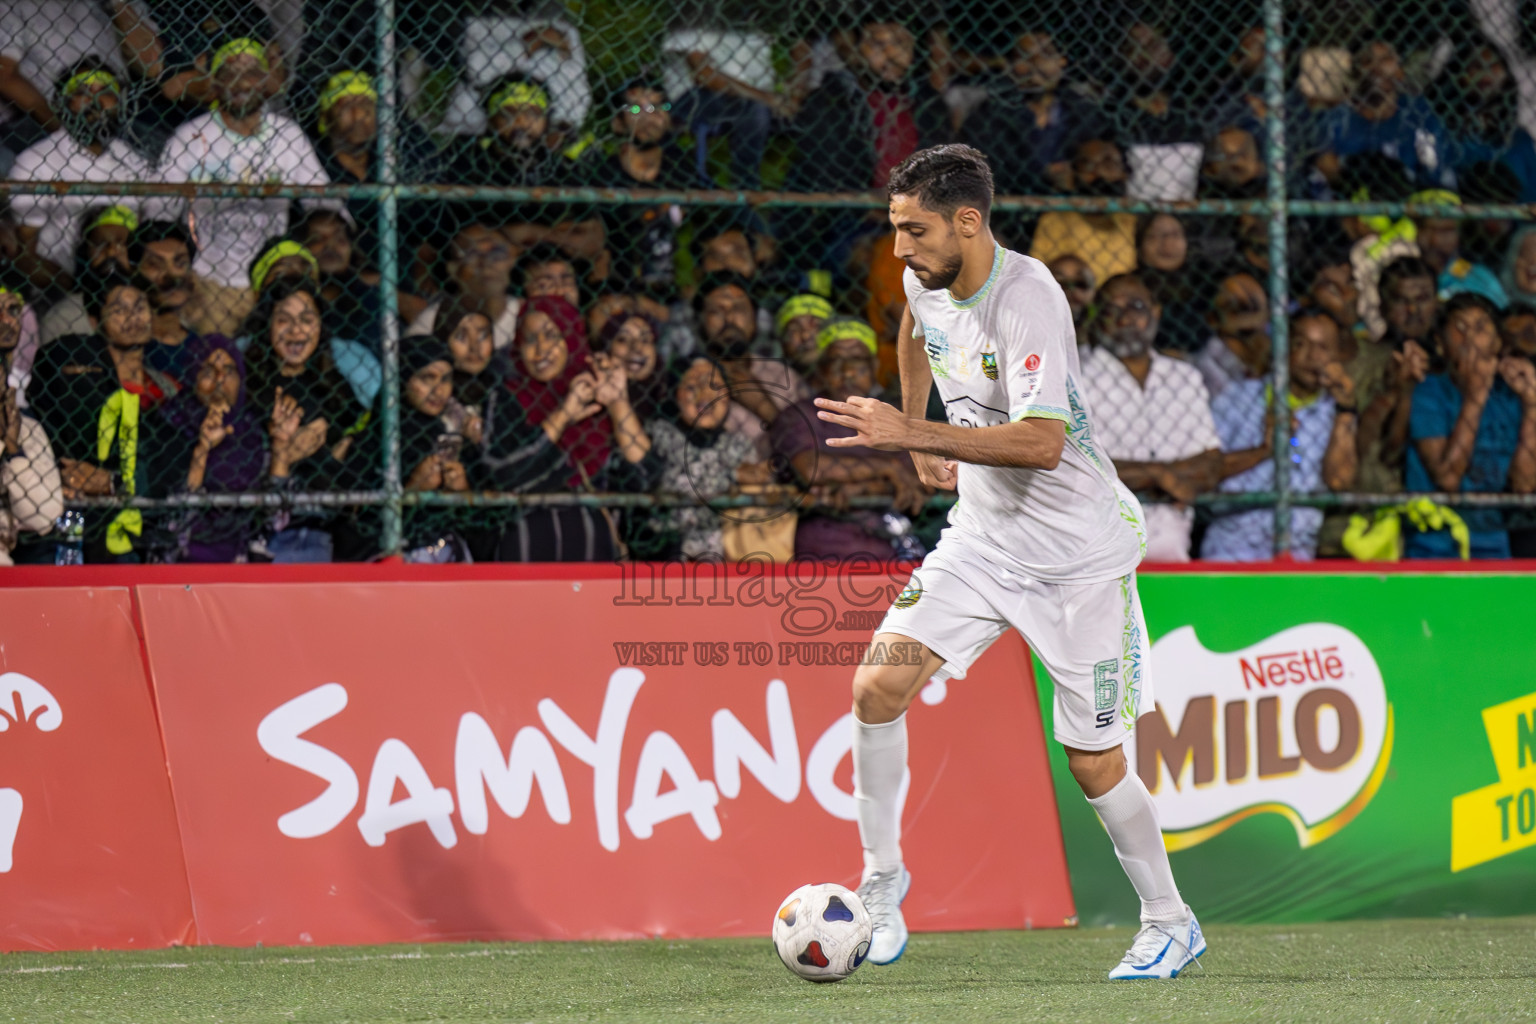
[1400,270]
[944,179]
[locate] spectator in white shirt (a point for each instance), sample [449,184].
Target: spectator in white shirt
[1238,348]
[39,39]
[480,262]
[543,45]
[1152,414]
[86,148]
[240,142]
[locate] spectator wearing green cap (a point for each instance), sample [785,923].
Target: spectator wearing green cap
[518,147]
[39,42]
[182,39]
[239,142]
[86,148]
[796,325]
[540,40]
[845,366]
[347,142]
[104,231]
[522,148]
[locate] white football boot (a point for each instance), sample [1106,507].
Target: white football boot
[882,893]
[1162,951]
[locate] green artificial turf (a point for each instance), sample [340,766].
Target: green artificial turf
[1473,970]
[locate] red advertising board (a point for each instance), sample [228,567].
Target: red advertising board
[375,762]
[89,853]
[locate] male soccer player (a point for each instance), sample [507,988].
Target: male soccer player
[1044,539]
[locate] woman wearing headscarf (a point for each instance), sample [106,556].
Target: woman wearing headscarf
[210,442]
[582,404]
[1519,274]
[700,458]
[433,449]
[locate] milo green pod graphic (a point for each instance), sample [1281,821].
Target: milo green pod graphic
[1297,725]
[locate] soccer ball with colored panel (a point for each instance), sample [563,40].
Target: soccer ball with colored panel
[822,932]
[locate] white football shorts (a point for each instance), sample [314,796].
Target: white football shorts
[1091,637]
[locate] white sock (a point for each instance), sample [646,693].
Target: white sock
[879,764]
[1131,820]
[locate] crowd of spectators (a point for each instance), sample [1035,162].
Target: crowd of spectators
[160,345]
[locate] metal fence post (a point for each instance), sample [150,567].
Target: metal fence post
[1279,289]
[389,276]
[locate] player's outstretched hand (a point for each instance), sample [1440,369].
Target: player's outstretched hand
[935,472]
[877,424]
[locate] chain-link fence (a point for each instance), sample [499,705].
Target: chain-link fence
[322,279]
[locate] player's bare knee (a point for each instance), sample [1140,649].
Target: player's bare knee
[881,693]
[1096,771]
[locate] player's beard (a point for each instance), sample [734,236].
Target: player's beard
[942,273]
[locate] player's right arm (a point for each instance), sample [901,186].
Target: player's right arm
[916,380]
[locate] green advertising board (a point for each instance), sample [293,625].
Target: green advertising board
[1330,746]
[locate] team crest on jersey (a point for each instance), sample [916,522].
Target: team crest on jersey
[989,365]
[910,594]
[936,344]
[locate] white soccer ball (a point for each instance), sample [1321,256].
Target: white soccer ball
[822,932]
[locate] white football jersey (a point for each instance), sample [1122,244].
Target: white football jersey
[1007,353]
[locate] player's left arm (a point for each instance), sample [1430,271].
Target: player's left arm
[1028,443]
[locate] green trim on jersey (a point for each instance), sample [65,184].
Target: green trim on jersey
[1042,412]
[1130,654]
[997,271]
[1081,431]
